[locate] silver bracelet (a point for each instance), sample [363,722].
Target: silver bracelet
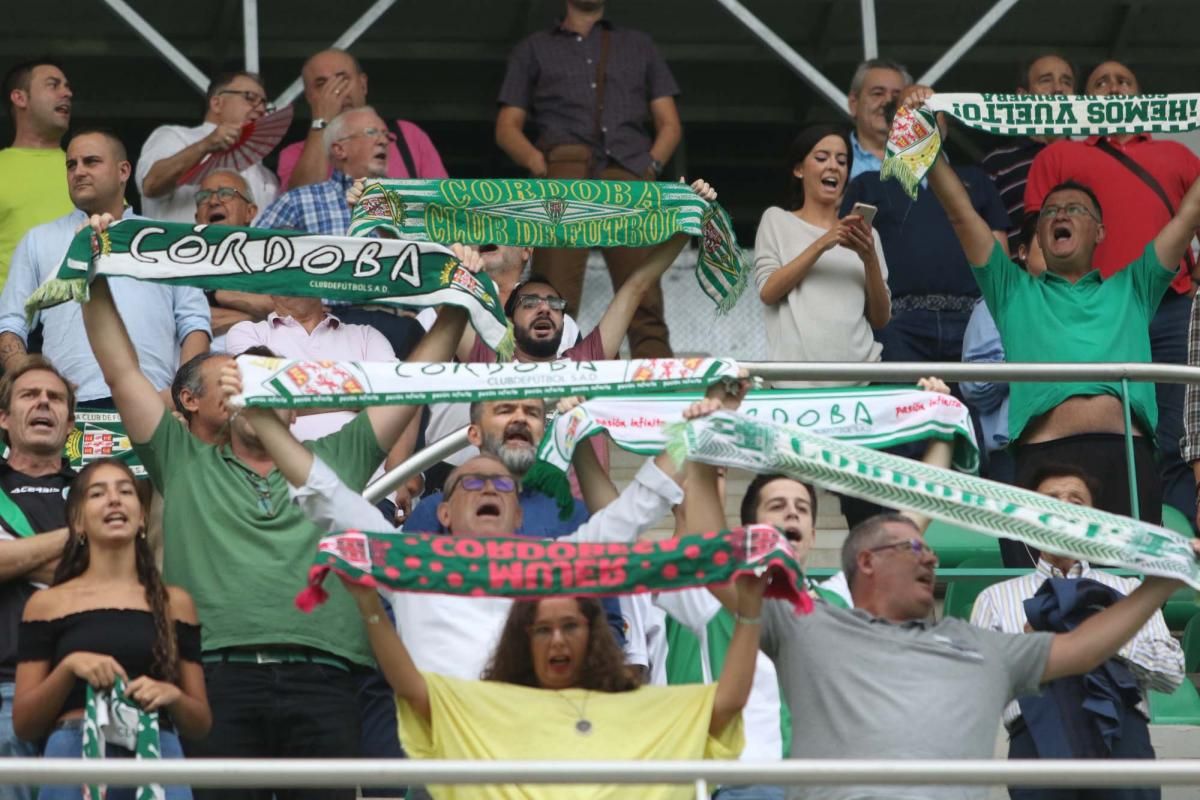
[741,620]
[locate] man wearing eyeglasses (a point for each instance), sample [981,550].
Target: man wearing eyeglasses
[1140,181]
[1071,313]
[224,198]
[233,99]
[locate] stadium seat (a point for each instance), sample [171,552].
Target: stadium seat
[1191,645]
[1174,519]
[961,592]
[954,545]
[1180,708]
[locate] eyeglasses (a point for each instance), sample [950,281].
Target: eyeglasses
[544,631]
[917,546]
[253,98]
[1072,209]
[530,301]
[371,133]
[474,483]
[223,194]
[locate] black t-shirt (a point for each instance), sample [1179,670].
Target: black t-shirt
[44,501]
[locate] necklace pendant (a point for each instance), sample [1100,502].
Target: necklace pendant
[583,727]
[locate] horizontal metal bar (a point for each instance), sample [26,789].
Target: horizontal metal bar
[418,462]
[383,772]
[910,371]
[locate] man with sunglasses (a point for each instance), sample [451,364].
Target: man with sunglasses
[1071,313]
[232,100]
[224,198]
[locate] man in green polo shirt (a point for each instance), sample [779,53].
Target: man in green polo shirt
[279,680]
[1069,313]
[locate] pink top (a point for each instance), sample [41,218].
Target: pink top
[332,340]
[424,154]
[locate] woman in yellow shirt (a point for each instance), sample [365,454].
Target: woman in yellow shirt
[557,688]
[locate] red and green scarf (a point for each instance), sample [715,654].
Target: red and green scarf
[509,566]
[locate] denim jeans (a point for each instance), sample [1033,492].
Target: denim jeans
[10,745]
[279,711]
[924,336]
[68,743]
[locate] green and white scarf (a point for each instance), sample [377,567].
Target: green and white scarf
[516,566]
[97,435]
[554,213]
[263,261]
[282,383]
[914,141]
[875,417]
[110,717]
[740,441]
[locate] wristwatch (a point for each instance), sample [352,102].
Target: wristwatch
[656,165]
[319,124]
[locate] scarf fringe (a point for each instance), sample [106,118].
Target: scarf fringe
[56,291]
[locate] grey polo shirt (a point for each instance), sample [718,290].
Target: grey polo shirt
[860,687]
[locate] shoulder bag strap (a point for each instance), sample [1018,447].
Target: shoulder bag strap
[402,145]
[13,517]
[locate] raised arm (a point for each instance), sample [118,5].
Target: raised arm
[974,233]
[938,453]
[737,675]
[615,322]
[1176,236]
[390,653]
[139,404]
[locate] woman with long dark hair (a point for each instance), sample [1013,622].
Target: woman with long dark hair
[822,279]
[108,615]
[557,687]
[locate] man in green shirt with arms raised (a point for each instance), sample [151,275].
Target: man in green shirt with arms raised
[279,681]
[1071,314]
[33,170]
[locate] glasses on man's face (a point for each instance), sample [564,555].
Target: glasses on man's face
[475,483]
[915,546]
[531,301]
[253,98]
[224,195]
[371,133]
[1072,210]
[570,629]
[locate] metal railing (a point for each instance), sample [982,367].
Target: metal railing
[338,773]
[879,372]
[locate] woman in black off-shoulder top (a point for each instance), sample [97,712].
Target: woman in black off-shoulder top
[108,614]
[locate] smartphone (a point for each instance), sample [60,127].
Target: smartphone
[866,211]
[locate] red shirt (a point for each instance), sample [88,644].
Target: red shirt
[1133,213]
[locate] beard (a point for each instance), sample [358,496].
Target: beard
[537,348]
[518,458]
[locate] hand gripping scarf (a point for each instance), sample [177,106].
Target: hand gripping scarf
[554,213]
[996,509]
[112,718]
[914,141]
[509,566]
[378,271]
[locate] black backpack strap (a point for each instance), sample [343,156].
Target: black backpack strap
[402,145]
[1137,169]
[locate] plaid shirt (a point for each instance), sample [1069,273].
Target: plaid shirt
[316,208]
[1190,444]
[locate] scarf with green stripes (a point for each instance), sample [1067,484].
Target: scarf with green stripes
[914,141]
[558,213]
[873,416]
[353,269]
[112,718]
[996,509]
[518,567]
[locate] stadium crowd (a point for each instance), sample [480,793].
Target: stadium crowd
[181,587]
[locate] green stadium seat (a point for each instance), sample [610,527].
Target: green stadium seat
[1180,708]
[1181,607]
[1191,645]
[961,592]
[954,545]
[1174,519]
